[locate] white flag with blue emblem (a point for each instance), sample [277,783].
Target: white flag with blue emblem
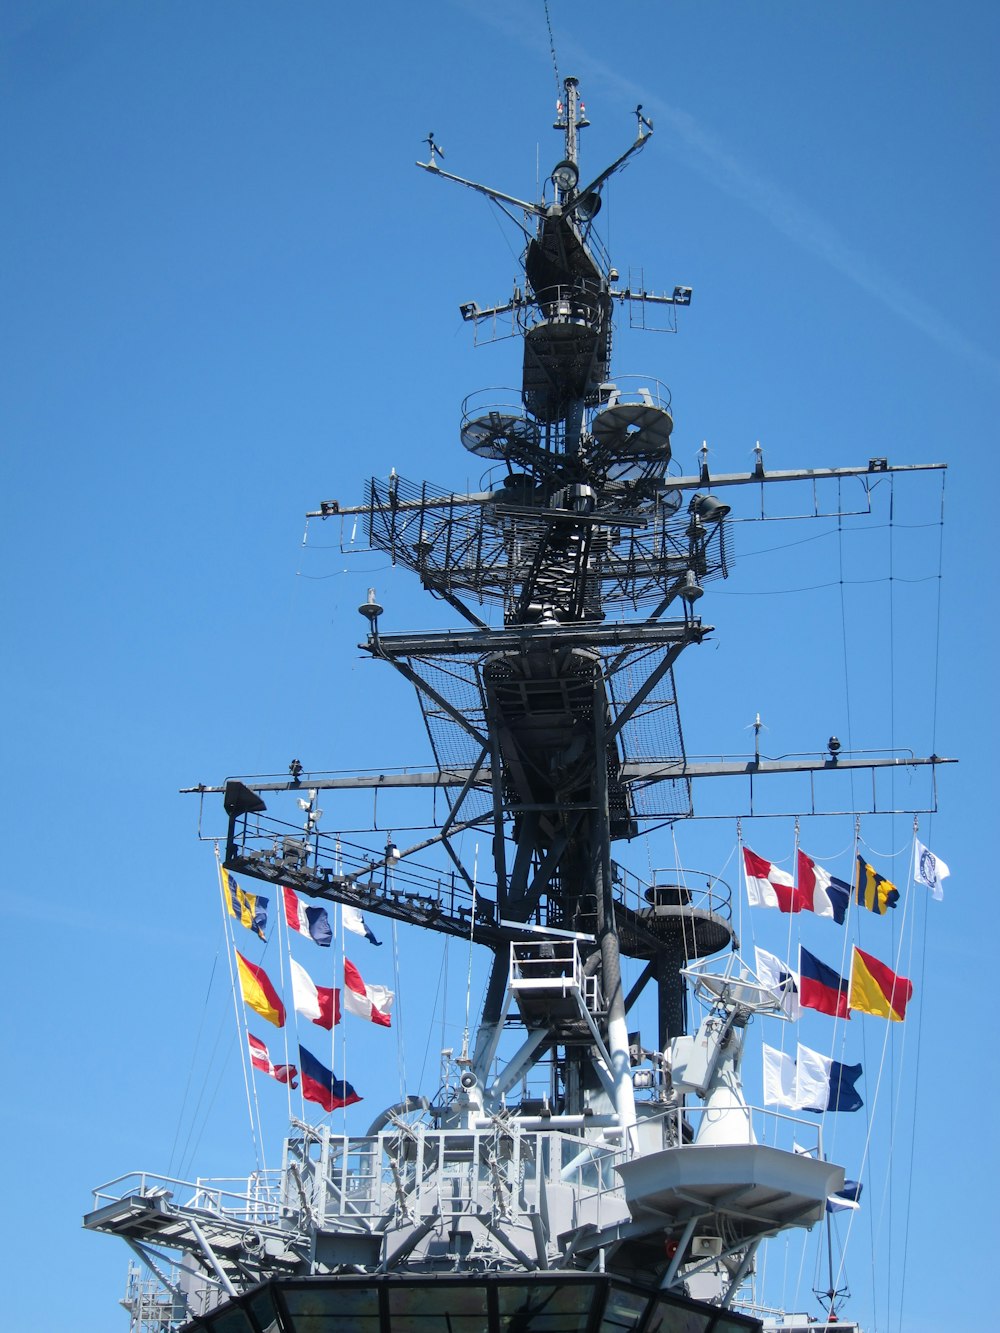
[929,869]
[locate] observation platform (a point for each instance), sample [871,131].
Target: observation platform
[551,989]
[756,1189]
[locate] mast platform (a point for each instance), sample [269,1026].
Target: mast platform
[755,1189]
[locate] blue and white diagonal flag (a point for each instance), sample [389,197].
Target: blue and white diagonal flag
[848,1197]
[355,923]
[779,978]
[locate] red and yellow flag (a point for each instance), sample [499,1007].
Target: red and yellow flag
[258,992]
[877,990]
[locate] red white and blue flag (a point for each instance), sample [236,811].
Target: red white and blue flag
[312,922]
[820,987]
[370,1002]
[821,892]
[260,1059]
[319,1084]
[768,886]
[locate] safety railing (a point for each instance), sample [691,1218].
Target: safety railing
[673,886]
[256,1200]
[503,1172]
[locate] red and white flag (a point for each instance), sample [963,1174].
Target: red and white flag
[260,1059]
[767,886]
[370,1002]
[320,1004]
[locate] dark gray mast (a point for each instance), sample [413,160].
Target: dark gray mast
[582,525]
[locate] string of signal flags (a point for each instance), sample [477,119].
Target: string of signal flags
[810,1081]
[321,1005]
[872,987]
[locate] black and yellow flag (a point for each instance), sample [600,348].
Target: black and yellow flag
[871,890]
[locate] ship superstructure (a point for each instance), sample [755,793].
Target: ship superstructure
[564,1176]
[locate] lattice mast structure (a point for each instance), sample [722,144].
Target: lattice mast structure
[584,530]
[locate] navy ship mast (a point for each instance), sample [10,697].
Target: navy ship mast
[552,714]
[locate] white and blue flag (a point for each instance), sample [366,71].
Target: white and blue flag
[929,869]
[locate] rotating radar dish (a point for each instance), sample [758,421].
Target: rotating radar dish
[639,429]
[671,501]
[499,435]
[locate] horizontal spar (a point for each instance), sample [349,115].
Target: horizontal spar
[638,634]
[630,772]
[874,467]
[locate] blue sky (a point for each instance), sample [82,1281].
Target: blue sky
[228,295]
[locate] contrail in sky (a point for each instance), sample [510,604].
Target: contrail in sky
[708,155]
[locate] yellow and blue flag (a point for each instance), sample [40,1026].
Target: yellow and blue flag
[872,890]
[249,909]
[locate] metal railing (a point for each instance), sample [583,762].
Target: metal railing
[643,389]
[571,303]
[417,1172]
[673,886]
[256,1200]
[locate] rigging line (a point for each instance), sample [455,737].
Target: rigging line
[803,1252]
[916,1085]
[513,253]
[788,944]
[739,877]
[189,1149]
[249,1073]
[840,1026]
[870,1116]
[338,949]
[223,1069]
[194,1054]
[934,713]
[937,636]
[885,856]
[552,48]
[888,1187]
[472,936]
[337,573]
[398,1023]
[341,971]
[833,857]
[686,923]
[843,636]
[240,1026]
[434,1010]
[899,1092]
[281,974]
[339,546]
[865,530]
[851,907]
[282,926]
[817,587]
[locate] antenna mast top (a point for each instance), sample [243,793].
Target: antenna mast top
[572,116]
